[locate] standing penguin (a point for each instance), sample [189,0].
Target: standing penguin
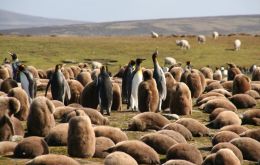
[188,65]
[159,77]
[148,97]
[15,64]
[137,78]
[28,83]
[60,89]
[126,82]
[217,75]
[233,70]
[105,91]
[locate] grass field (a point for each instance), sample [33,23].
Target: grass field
[45,51]
[121,120]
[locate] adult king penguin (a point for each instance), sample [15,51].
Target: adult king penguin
[60,89]
[27,81]
[105,91]
[159,77]
[137,78]
[126,86]
[15,64]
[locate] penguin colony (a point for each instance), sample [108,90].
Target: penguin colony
[78,109]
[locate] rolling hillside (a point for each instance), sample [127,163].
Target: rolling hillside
[11,20]
[14,23]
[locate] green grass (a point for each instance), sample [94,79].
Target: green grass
[45,51]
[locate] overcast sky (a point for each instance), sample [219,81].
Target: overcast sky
[115,10]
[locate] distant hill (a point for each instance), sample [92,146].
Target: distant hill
[200,25]
[12,20]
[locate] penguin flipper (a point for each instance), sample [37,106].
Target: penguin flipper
[32,88]
[31,83]
[130,79]
[48,85]
[67,93]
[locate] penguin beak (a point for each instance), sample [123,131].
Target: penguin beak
[142,59]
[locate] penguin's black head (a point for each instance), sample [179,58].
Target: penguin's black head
[188,63]
[132,62]
[147,75]
[103,69]
[14,56]
[139,61]
[155,54]
[58,66]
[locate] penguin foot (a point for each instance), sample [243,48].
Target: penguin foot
[135,109]
[125,101]
[132,109]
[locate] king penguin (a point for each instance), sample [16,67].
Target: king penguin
[159,77]
[15,64]
[126,81]
[148,97]
[27,81]
[233,70]
[60,89]
[105,91]
[137,78]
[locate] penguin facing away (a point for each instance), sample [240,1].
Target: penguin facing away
[27,81]
[137,78]
[105,91]
[60,89]
[159,77]
[126,81]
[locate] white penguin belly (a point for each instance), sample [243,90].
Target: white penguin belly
[138,78]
